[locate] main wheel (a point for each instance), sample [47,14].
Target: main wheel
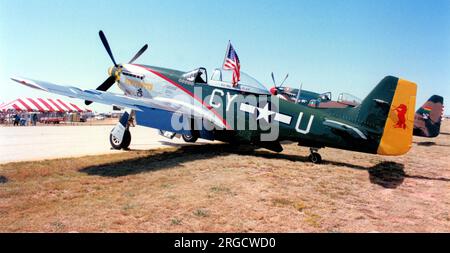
[315,158]
[189,138]
[117,144]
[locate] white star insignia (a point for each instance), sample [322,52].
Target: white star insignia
[264,113]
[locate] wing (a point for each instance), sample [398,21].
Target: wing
[139,104]
[102,97]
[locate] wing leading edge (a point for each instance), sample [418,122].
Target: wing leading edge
[102,97]
[109,98]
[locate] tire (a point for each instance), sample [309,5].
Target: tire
[315,158]
[189,138]
[126,140]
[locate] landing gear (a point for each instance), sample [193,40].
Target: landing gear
[189,138]
[120,136]
[314,157]
[116,143]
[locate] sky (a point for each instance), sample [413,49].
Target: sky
[328,45]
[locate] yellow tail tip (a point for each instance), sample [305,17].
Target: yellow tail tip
[398,129]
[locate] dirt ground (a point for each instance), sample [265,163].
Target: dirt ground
[220,188]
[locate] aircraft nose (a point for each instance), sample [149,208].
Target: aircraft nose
[273,91]
[115,71]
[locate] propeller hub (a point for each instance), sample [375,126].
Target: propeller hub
[274,91]
[115,71]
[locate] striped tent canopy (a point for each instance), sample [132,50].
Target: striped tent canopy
[42,105]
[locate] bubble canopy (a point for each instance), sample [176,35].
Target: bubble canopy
[223,78]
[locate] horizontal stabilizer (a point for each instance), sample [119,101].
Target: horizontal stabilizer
[352,131]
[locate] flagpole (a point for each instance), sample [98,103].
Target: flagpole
[226,53]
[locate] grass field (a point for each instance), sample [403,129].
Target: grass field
[220,188]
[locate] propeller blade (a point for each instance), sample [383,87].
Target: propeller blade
[103,87]
[139,53]
[273,80]
[107,83]
[287,75]
[106,45]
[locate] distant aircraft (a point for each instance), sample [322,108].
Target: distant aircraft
[427,120]
[234,107]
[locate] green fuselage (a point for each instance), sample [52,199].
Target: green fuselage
[357,129]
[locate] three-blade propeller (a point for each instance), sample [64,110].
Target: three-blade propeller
[275,83]
[114,73]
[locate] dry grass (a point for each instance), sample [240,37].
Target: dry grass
[219,188]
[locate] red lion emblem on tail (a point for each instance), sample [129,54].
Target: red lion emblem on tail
[401,114]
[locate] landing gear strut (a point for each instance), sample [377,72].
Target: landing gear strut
[120,136]
[314,157]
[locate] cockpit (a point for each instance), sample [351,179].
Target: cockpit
[223,78]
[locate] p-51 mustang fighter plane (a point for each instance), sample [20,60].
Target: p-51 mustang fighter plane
[245,112]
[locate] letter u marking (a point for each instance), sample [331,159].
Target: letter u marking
[299,120]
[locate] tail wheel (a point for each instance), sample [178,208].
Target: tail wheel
[315,158]
[124,144]
[190,137]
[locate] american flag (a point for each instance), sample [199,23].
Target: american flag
[231,62]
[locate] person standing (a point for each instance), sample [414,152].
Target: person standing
[34,119]
[16,119]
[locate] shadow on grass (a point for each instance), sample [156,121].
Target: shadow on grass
[160,160]
[386,174]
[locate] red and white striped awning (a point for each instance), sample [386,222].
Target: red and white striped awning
[41,105]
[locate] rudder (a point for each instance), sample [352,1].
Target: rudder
[397,133]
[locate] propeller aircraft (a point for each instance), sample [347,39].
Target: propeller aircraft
[190,104]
